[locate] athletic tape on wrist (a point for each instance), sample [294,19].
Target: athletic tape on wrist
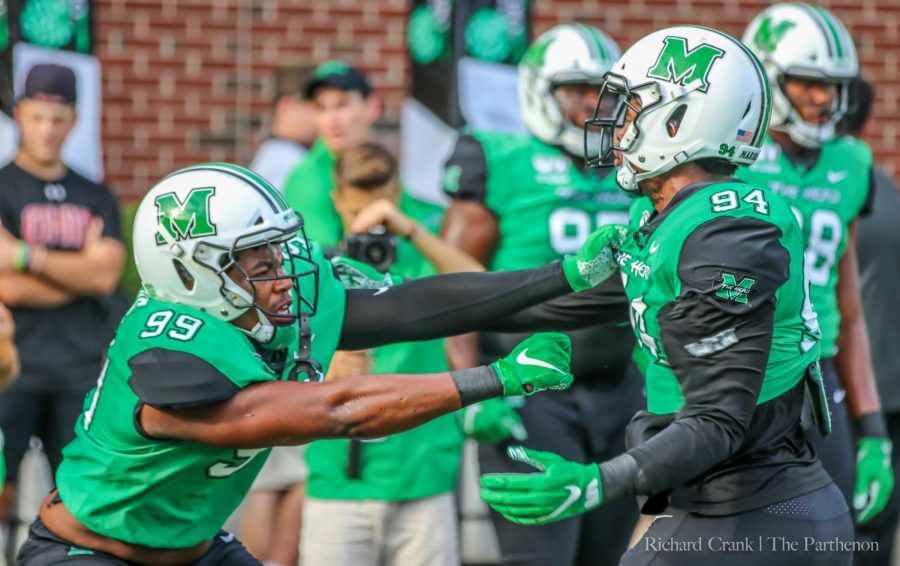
[476,384]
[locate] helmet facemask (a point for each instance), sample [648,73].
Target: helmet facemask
[617,97]
[286,254]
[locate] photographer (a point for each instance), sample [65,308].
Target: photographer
[390,500]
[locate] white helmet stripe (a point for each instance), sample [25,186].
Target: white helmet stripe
[765,99]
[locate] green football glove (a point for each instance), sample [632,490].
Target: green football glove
[492,421]
[874,477]
[561,489]
[539,362]
[596,260]
[355,274]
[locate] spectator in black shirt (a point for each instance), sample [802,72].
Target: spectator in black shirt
[60,260]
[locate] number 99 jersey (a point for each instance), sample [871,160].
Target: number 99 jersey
[122,483]
[826,199]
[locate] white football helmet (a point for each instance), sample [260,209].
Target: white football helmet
[696,93]
[191,225]
[804,41]
[565,54]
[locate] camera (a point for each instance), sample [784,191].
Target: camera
[377,247]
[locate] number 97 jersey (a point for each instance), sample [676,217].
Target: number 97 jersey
[826,199]
[545,206]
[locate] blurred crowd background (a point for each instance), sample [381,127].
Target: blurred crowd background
[167,83]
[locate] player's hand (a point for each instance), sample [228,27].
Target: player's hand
[539,362]
[560,489]
[596,260]
[874,477]
[492,421]
[383,211]
[346,363]
[356,274]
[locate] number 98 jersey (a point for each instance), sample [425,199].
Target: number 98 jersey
[826,199]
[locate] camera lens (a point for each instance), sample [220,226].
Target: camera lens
[376,253]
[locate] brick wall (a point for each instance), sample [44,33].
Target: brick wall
[188,80]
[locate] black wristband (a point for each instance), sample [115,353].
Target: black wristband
[476,384]
[871,425]
[619,477]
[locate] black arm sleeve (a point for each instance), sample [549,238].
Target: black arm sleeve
[604,304]
[717,336]
[444,305]
[176,380]
[465,172]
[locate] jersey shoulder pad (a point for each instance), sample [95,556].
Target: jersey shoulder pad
[152,324]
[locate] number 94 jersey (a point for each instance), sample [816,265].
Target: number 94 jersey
[826,199]
[716,255]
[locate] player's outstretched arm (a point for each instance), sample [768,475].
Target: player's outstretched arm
[874,473]
[445,305]
[287,413]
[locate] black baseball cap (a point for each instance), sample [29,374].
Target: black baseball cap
[51,82]
[340,75]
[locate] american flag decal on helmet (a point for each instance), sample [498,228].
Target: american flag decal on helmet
[744,136]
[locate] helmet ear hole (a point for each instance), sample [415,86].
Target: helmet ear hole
[186,278]
[674,121]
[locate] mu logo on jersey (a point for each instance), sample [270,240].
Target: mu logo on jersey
[680,65]
[733,290]
[185,219]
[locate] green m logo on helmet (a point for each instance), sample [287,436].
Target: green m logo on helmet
[680,65]
[185,219]
[734,290]
[768,37]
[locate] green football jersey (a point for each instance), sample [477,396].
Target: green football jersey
[655,277]
[545,206]
[421,462]
[123,484]
[826,200]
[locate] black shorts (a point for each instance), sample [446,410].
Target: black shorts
[43,548]
[812,529]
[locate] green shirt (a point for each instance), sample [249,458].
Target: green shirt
[173,493]
[421,462]
[826,199]
[308,190]
[650,264]
[545,206]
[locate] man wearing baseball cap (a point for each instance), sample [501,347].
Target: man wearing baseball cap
[60,258]
[346,108]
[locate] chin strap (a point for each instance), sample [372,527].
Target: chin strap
[263,331]
[305,368]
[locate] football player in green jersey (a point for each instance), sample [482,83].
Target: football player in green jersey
[204,372]
[810,60]
[713,270]
[519,201]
